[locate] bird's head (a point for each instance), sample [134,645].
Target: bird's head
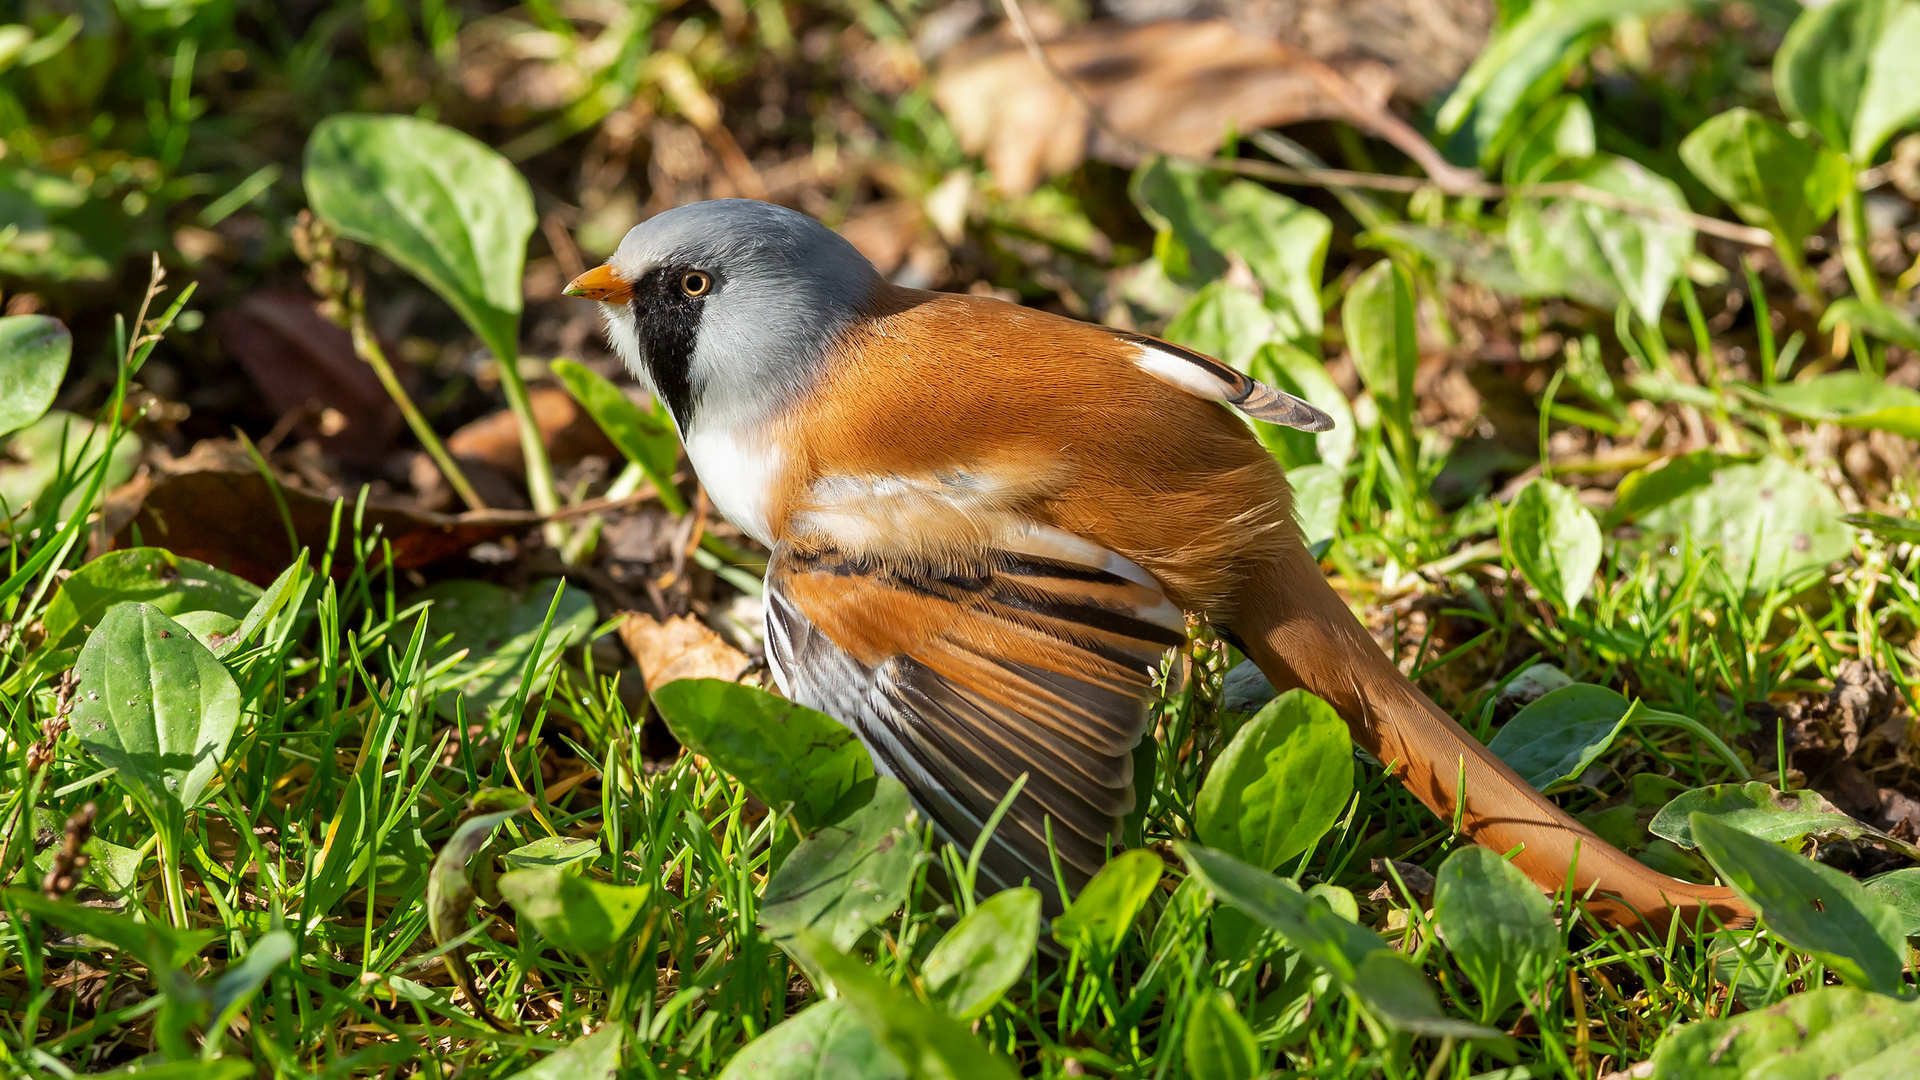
[727,309]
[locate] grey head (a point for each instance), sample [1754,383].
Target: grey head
[734,305]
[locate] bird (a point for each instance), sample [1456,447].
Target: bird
[989,524]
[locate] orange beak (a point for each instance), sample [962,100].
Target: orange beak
[602,284]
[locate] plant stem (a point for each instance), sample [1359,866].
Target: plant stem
[170,880]
[369,350]
[533,449]
[1853,247]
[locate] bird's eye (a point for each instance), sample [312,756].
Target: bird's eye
[695,283]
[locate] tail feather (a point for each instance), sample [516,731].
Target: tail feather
[1301,634]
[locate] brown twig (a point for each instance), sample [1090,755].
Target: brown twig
[1447,177]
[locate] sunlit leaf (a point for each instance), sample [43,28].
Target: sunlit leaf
[1554,540]
[1219,1045]
[1378,319]
[553,853]
[1830,1031]
[1497,924]
[173,585]
[824,1041]
[1280,784]
[1775,816]
[1851,399]
[439,202]
[34,350]
[1814,908]
[574,912]
[1099,918]
[591,1057]
[1552,741]
[1602,255]
[984,954]
[844,878]
[646,437]
[1900,890]
[784,752]
[1767,520]
[1771,177]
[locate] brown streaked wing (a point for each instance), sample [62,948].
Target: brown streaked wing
[961,678]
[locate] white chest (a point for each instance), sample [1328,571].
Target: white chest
[739,469]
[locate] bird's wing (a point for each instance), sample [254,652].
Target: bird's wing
[1204,377]
[960,678]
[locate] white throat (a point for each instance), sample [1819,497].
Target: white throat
[739,463]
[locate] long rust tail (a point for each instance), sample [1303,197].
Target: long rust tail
[1301,634]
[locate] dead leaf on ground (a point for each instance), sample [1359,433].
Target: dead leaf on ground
[305,364]
[213,505]
[570,434]
[1178,87]
[682,647]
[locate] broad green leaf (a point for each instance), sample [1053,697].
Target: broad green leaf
[1825,62]
[1771,177]
[1538,48]
[984,954]
[1319,491]
[111,868]
[930,1046]
[1891,99]
[1759,810]
[209,628]
[1600,255]
[1497,924]
[34,350]
[1900,890]
[1554,540]
[1553,740]
[1886,526]
[1207,216]
[442,204]
[1099,918]
[225,1068]
[1814,908]
[646,437]
[1851,399]
[845,878]
[1219,1044]
[1560,133]
[57,443]
[553,853]
[1378,319]
[1883,321]
[1767,520]
[449,892]
[1829,1033]
[824,1041]
[1656,485]
[1357,959]
[173,585]
[1224,321]
[1481,257]
[499,631]
[154,704]
[574,912]
[1280,784]
[591,1057]
[783,752]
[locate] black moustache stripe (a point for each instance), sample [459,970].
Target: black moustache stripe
[667,322]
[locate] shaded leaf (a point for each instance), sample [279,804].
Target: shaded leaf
[449,892]
[1497,924]
[1767,520]
[1219,1044]
[1851,399]
[1771,177]
[171,584]
[1774,816]
[34,350]
[1554,540]
[984,954]
[499,631]
[237,985]
[440,203]
[931,1046]
[156,706]
[1814,908]
[1280,784]
[574,912]
[824,1041]
[1099,918]
[1554,739]
[783,752]
[61,443]
[1900,890]
[846,877]
[1832,1031]
[1202,217]
[1378,319]
[591,1057]
[553,853]
[646,437]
